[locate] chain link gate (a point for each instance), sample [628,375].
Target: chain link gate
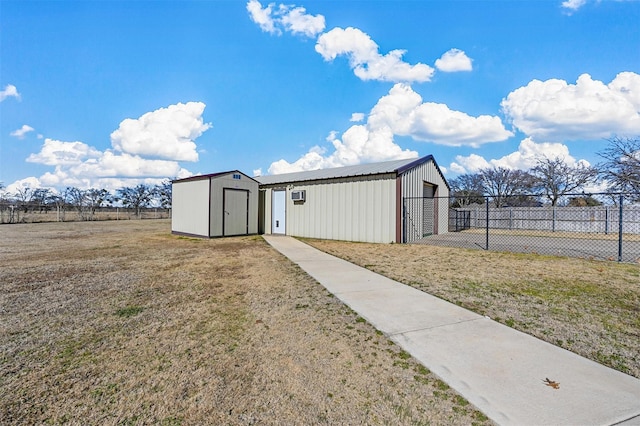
[419,218]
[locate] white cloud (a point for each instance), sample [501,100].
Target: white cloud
[627,85]
[363,53]
[456,168]
[59,179]
[469,164]
[332,136]
[58,153]
[297,21]
[110,164]
[365,60]
[112,171]
[573,5]
[262,16]
[22,184]
[404,113]
[454,60]
[312,160]
[526,157]
[530,151]
[289,18]
[589,109]
[358,145]
[166,133]
[357,117]
[363,144]
[9,91]
[22,131]
[146,150]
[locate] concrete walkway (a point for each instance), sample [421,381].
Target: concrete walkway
[498,369]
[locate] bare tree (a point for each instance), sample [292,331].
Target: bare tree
[41,199]
[95,198]
[555,178]
[502,183]
[5,205]
[583,201]
[23,197]
[163,193]
[135,198]
[467,189]
[77,198]
[621,166]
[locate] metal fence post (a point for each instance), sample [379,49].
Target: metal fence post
[620,230]
[404,220]
[487,226]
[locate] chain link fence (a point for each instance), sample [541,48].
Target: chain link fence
[598,226]
[11,213]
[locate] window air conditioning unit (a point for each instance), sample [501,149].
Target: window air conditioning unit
[297,195]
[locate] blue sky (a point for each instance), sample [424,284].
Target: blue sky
[107,94]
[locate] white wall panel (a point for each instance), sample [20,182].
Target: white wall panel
[190,207]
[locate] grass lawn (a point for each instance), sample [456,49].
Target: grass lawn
[588,307]
[123,323]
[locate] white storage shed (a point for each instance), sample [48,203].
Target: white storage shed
[215,205]
[366,203]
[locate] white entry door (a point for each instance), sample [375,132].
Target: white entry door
[279,203]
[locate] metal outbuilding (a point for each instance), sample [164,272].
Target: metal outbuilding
[215,205]
[356,203]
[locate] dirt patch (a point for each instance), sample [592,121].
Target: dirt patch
[124,323]
[589,307]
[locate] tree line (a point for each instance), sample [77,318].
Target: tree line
[86,201]
[550,179]
[553,178]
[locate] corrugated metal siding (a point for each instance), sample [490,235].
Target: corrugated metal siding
[413,186]
[360,209]
[190,207]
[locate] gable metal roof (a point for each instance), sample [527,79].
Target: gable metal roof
[395,166]
[211,175]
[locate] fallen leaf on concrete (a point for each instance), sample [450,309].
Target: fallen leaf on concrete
[551,383]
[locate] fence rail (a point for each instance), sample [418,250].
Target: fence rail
[12,214]
[525,224]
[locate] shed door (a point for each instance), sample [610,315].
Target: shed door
[279,203]
[428,210]
[235,217]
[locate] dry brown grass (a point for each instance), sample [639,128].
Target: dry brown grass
[123,323]
[589,307]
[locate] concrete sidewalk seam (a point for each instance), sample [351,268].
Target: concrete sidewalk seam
[627,420]
[435,327]
[368,290]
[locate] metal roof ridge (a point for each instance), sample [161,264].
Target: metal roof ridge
[211,175]
[345,171]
